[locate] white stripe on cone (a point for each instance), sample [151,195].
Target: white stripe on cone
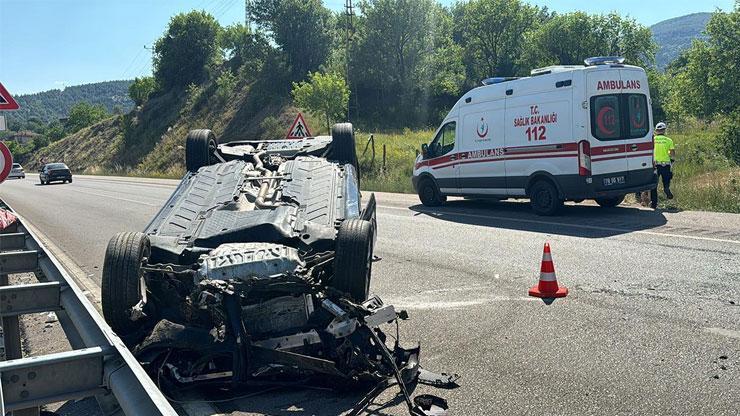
[547,277]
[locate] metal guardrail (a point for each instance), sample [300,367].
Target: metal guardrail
[99,365]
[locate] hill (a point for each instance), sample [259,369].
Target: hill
[673,36]
[54,104]
[150,139]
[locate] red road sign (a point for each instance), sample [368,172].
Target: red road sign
[299,129]
[6,100]
[6,162]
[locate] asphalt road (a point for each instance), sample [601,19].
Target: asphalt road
[651,325]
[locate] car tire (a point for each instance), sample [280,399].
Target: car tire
[429,194]
[200,149]
[123,283]
[544,198]
[354,258]
[70,180]
[343,150]
[610,202]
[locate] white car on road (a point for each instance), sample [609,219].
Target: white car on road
[17,172]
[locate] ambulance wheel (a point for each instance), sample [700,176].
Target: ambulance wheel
[343,145]
[429,195]
[544,199]
[200,149]
[123,284]
[610,202]
[353,259]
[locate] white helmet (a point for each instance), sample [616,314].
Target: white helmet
[660,126]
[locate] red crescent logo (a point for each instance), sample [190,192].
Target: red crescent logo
[600,122]
[480,131]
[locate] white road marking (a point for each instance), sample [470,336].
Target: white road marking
[118,198]
[565,224]
[724,332]
[410,303]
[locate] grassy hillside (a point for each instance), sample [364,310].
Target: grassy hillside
[673,36]
[150,140]
[54,104]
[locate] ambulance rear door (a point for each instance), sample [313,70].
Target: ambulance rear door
[639,131]
[609,164]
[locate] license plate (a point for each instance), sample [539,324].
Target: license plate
[614,180]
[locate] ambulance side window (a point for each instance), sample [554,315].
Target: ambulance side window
[605,117]
[444,142]
[639,125]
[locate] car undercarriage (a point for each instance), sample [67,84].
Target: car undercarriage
[257,270]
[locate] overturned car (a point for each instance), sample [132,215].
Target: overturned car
[257,269]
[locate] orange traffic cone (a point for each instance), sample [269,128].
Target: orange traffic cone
[548,288]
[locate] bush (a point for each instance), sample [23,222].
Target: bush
[225,85]
[272,128]
[729,136]
[141,89]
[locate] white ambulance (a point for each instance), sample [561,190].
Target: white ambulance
[565,133]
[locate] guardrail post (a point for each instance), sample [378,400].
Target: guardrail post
[12,340]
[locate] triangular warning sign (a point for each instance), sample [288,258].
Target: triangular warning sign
[6,100]
[299,129]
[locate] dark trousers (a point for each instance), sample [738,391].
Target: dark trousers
[665,174]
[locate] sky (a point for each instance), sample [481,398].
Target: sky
[48,44]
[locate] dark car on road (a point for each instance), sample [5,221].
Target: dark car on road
[51,172]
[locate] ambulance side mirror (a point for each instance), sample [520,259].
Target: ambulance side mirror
[424,149]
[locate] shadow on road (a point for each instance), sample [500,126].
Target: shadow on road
[586,221]
[298,400]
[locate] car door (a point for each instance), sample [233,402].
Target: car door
[443,159]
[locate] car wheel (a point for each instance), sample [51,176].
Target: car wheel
[354,258]
[200,149]
[429,195]
[343,145]
[70,180]
[123,283]
[610,202]
[42,182]
[543,197]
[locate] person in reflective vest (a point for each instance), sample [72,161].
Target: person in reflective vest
[665,155]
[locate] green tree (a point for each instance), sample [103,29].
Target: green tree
[85,114]
[568,39]
[54,131]
[491,33]
[707,79]
[244,48]
[301,28]
[324,95]
[141,88]
[185,51]
[402,55]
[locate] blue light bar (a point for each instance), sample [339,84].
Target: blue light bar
[497,80]
[603,60]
